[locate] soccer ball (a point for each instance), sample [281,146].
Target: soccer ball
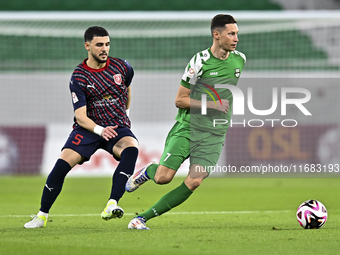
[311,214]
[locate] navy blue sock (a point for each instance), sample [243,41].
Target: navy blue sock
[54,184]
[124,170]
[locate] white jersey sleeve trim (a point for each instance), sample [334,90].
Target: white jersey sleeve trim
[240,54]
[194,68]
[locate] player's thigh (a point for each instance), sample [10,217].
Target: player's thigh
[176,151]
[82,142]
[71,157]
[123,143]
[123,140]
[204,155]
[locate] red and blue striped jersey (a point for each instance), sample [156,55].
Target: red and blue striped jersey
[104,91]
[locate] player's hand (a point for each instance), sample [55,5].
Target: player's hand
[109,132]
[222,108]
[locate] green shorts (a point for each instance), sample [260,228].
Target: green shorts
[203,148]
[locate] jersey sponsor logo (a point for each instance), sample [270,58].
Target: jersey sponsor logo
[74,98]
[118,79]
[237,72]
[191,72]
[107,96]
[213,73]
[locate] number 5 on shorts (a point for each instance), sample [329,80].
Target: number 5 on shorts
[78,138]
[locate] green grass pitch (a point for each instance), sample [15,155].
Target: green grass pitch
[224,216]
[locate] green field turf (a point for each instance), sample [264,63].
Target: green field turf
[224,216]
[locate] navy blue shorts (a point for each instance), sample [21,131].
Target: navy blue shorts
[86,143]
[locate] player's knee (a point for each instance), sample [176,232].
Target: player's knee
[162,179]
[130,153]
[193,183]
[164,175]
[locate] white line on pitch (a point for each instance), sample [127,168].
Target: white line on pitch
[169,213]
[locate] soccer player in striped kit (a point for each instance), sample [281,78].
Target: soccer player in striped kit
[100,89]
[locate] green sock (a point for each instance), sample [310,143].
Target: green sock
[168,201]
[151,171]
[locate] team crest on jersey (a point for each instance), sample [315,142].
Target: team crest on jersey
[118,79]
[237,72]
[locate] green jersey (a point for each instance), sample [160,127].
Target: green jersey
[201,75]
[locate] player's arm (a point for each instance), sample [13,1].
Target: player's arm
[128,101]
[129,98]
[80,111]
[87,123]
[184,101]
[130,74]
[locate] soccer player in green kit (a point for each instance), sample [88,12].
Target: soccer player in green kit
[195,134]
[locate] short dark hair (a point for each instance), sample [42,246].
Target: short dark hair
[219,21]
[94,31]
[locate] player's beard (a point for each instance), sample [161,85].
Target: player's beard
[99,60]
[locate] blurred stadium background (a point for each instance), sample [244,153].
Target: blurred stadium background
[287,43]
